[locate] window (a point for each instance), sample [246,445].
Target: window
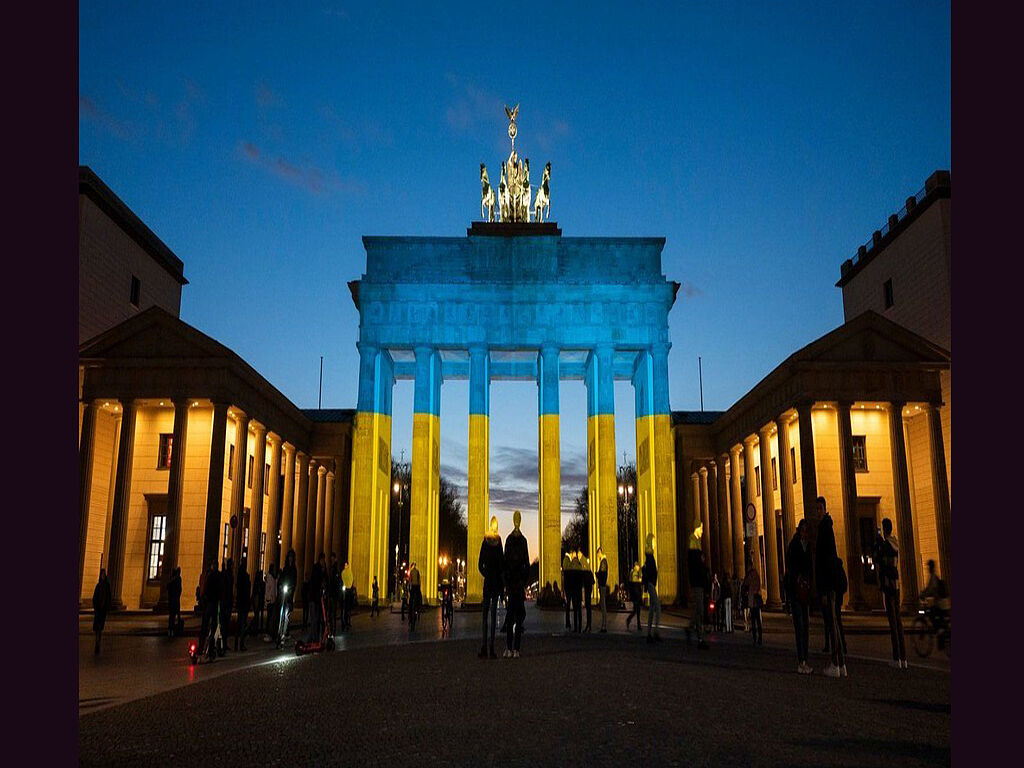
[249,481]
[155,559]
[266,479]
[136,289]
[227,535]
[887,290]
[231,461]
[757,480]
[775,474]
[860,453]
[263,548]
[245,533]
[163,457]
[792,461]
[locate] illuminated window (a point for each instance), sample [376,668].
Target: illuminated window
[775,475]
[136,290]
[887,290]
[266,479]
[263,548]
[245,532]
[860,453]
[231,461]
[155,559]
[163,457]
[792,461]
[757,479]
[227,534]
[249,481]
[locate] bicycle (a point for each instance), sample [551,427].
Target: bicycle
[927,633]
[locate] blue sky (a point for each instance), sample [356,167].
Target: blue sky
[764,141]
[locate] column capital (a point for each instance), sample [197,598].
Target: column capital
[660,347]
[182,402]
[477,348]
[750,440]
[273,438]
[549,349]
[765,431]
[321,469]
[423,349]
[367,347]
[703,471]
[844,405]
[258,428]
[604,350]
[735,450]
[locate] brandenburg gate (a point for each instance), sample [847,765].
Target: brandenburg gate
[513,300]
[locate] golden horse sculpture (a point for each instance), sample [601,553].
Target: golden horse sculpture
[542,205]
[486,194]
[514,191]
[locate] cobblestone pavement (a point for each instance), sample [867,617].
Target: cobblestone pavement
[573,700]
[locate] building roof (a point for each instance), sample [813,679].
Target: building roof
[329,415]
[937,187]
[90,185]
[695,417]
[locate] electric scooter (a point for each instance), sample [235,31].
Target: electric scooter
[325,642]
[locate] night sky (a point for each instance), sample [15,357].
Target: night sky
[764,141]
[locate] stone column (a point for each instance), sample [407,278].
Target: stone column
[299,519]
[259,471]
[479,480]
[274,502]
[287,504]
[329,517]
[736,507]
[940,494]
[86,451]
[694,513]
[848,478]
[771,546]
[750,476]
[122,502]
[175,496]
[238,470]
[725,542]
[426,470]
[786,476]
[215,485]
[309,555]
[808,475]
[904,515]
[321,513]
[602,483]
[714,562]
[705,518]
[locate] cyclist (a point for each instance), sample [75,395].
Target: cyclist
[937,595]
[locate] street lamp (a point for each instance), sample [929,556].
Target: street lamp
[400,488]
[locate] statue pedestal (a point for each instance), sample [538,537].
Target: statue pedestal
[513,229]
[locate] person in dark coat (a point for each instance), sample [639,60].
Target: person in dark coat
[173,602]
[333,594]
[244,592]
[576,582]
[588,588]
[798,589]
[517,573]
[602,587]
[227,599]
[827,583]
[567,592]
[101,602]
[698,586]
[650,574]
[317,592]
[491,565]
[208,594]
[286,588]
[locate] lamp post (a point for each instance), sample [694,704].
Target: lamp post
[400,488]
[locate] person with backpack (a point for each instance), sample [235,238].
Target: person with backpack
[828,580]
[798,589]
[887,552]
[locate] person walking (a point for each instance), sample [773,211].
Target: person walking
[588,587]
[797,582]
[286,589]
[348,594]
[491,565]
[755,601]
[736,585]
[375,604]
[650,576]
[636,595]
[698,585]
[174,602]
[602,587]
[517,573]
[727,604]
[259,591]
[415,595]
[101,602]
[566,566]
[334,595]
[887,552]
[243,590]
[825,576]
[227,599]
[576,579]
[208,594]
[716,602]
[270,600]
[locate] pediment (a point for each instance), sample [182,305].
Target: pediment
[872,338]
[154,333]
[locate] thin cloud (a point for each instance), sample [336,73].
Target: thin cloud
[92,112]
[309,177]
[689,290]
[266,96]
[471,106]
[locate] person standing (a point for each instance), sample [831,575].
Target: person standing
[271,601]
[348,593]
[636,595]
[101,602]
[825,576]
[735,586]
[602,587]
[174,602]
[375,604]
[798,589]
[209,597]
[227,599]
[517,573]
[243,592]
[415,595]
[716,602]
[650,575]
[887,552]
[334,595]
[491,566]
[286,590]
[698,586]
[726,610]
[576,579]
[566,566]
[259,590]
[755,602]
[588,587]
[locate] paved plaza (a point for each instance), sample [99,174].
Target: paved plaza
[387,697]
